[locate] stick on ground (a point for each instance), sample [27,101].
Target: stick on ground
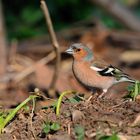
[31,69]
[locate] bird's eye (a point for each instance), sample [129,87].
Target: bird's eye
[78,50]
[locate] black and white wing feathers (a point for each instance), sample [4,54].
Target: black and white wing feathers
[113,72]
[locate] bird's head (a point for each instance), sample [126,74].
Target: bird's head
[80,52]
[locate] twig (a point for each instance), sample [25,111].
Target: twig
[121,13]
[128,39]
[54,44]
[31,69]
[115,106]
[69,128]
[31,119]
[13,51]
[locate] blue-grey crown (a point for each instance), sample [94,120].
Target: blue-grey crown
[80,45]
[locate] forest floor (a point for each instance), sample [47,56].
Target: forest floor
[109,118]
[94,118]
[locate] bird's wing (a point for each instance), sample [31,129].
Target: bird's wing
[109,70]
[99,65]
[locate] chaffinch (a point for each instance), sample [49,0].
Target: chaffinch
[93,73]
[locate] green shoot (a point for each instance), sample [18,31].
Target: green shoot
[55,126]
[60,100]
[112,137]
[2,116]
[26,108]
[46,127]
[80,132]
[134,90]
[11,115]
[73,100]
[51,127]
[76,99]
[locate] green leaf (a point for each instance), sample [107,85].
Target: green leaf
[73,100]
[112,137]
[80,132]
[1,119]
[31,16]
[47,128]
[55,126]
[12,113]
[130,88]
[26,108]
[134,90]
[76,99]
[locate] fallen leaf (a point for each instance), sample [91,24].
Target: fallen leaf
[77,115]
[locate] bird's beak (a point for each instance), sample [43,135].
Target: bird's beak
[69,51]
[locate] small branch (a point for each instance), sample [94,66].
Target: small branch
[31,69]
[31,119]
[54,44]
[13,51]
[121,13]
[124,39]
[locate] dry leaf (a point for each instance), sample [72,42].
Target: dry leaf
[77,115]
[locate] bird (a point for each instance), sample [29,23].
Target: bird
[92,72]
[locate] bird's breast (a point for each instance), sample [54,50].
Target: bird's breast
[85,75]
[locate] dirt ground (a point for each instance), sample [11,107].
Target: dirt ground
[96,117]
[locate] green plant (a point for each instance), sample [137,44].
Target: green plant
[134,90]
[5,119]
[80,132]
[76,99]
[50,127]
[60,100]
[112,137]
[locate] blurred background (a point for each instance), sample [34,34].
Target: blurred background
[110,27]
[24,19]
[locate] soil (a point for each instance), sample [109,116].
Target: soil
[95,117]
[98,117]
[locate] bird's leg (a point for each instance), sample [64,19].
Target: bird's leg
[89,98]
[102,94]
[92,91]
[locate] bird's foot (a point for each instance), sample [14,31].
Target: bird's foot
[89,98]
[101,95]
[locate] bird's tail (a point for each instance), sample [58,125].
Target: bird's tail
[119,75]
[126,78]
